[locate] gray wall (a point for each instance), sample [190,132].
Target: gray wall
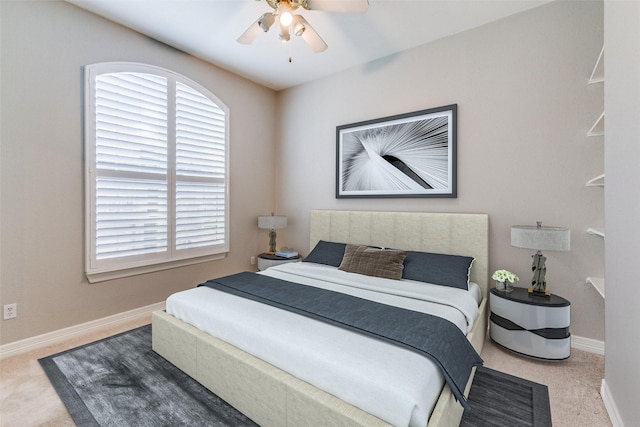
[622,149]
[44,44]
[524,108]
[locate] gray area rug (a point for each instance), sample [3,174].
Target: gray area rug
[120,381]
[502,400]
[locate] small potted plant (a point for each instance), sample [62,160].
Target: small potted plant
[504,280]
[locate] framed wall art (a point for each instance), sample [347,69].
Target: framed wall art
[407,155]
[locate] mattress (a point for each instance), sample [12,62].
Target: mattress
[394,384]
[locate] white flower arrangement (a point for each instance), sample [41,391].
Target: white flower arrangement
[504,276]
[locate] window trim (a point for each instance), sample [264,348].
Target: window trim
[99,270]
[98,276]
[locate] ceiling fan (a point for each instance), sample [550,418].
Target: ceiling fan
[290,23]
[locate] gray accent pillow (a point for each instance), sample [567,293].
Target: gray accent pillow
[328,253]
[385,263]
[439,269]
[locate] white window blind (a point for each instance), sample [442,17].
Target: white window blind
[156,147]
[200,170]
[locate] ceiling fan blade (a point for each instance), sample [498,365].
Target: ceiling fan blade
[312,38]
[345,6]
[251,34]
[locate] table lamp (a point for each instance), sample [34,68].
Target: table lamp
[272,222]
[540,238]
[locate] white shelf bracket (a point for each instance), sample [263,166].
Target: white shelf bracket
[597,283]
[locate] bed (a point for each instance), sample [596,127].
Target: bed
[274,397]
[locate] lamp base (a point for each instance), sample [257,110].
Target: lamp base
[534,293]
[272,242]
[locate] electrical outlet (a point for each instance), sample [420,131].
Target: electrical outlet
[253,260]
[10,311]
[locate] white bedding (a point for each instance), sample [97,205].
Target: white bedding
[394,384]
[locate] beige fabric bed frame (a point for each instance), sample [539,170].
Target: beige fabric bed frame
[272,397]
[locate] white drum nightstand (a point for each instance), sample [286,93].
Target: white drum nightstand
[269,260]
[531,325]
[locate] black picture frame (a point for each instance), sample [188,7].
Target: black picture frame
[406,155]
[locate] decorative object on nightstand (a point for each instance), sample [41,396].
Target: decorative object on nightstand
[539,238]
[272,222]
[531,325]
[287,253]
[504,280]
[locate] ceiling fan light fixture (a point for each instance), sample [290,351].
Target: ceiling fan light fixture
[286,18]
[284,34]
[284,12]
[297,26]
[266,21]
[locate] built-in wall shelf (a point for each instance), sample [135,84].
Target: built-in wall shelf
[598,127]
[598,181]
[597,283]
[596,232]
[597,75]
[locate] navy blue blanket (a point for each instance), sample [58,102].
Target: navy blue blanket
[431,336]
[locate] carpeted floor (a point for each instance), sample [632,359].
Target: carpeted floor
[120,381]
[574,384]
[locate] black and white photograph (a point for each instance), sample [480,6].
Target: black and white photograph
[407,155]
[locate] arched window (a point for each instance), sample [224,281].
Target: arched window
[156,171]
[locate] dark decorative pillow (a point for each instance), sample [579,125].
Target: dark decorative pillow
[329,253]
[439,269]
[385,263]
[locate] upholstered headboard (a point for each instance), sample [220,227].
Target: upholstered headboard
[447,233]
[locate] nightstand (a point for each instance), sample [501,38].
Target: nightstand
[531,325]
[269,260]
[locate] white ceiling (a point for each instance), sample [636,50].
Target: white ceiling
[208,29]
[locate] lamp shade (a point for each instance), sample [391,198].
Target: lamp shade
[272,222]
[541,238]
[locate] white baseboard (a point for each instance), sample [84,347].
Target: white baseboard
[60,335]
[610,405]
[587,344]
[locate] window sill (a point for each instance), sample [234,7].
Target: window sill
[103,276]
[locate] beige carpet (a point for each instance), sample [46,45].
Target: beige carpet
[28,399]
[574,384]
